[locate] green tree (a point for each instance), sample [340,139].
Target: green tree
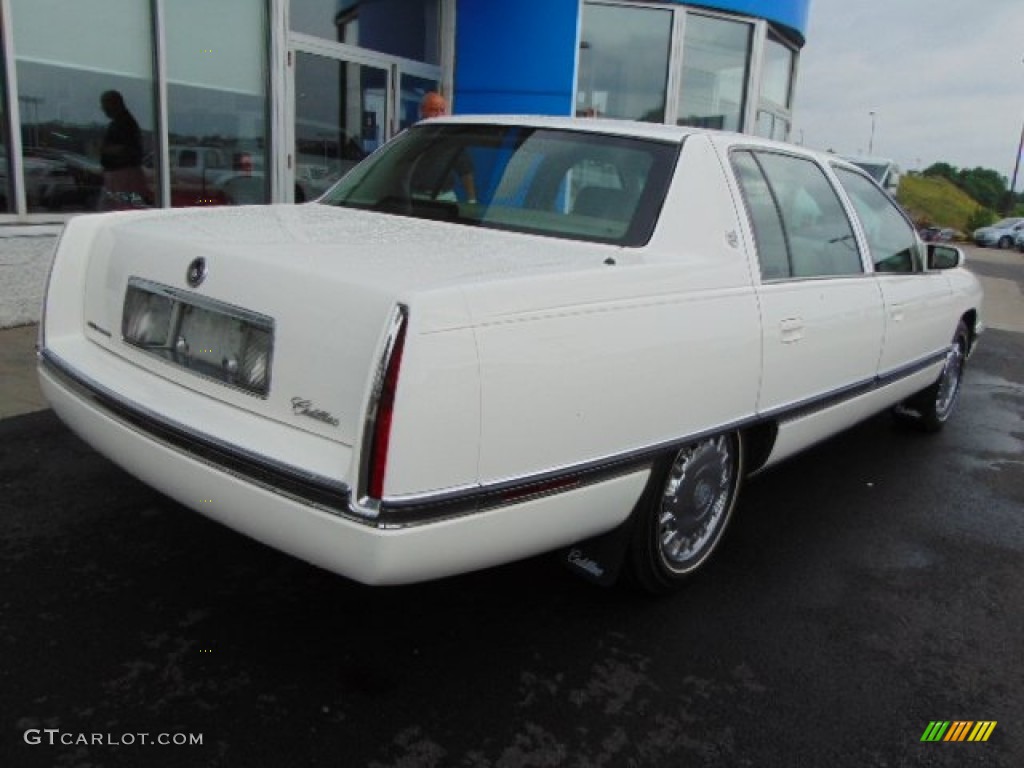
[985,185]
[942,170]
[981,217]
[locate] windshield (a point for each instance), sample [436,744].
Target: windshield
[560,183]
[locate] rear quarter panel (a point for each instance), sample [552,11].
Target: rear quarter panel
[661,344]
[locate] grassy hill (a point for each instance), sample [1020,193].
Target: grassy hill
[935,200]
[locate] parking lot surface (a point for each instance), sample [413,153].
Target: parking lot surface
[864,590]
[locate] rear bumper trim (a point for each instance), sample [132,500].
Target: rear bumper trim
[324,493]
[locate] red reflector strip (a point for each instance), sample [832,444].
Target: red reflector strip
[539,489]
[385,413]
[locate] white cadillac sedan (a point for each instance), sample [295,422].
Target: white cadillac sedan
[497,337]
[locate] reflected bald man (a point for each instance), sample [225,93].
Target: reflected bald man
[433,104]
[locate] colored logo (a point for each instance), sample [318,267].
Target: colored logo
[958,730]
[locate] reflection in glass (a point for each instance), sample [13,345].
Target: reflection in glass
[623,62]
[216,102]
[716,54]
[406,28]
[772,126]
[777,73]
[412,91]
[68,56]
[6,188]
[340,117]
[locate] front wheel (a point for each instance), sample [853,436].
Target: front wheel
[935,404]
[1005,242]
[688,505]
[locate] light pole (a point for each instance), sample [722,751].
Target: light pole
[1011,195]
[1016,167]
[871,139]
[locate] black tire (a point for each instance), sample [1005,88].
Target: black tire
[1005,242]
[935,405]
[685,511]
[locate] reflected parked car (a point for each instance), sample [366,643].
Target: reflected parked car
[401,382]
[59,180]
[939,234]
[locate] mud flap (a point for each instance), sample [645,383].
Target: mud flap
[600,559]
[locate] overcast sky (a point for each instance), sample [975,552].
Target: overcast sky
[945,79]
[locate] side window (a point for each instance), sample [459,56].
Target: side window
[819,234]
[799,224]
[890,236]
[769,236]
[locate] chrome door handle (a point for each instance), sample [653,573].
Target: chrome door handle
[791,330]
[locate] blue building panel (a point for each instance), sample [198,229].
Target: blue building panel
[520,58]
[517,58]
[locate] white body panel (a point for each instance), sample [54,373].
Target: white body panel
[367,554]
[819,336]
[920,317]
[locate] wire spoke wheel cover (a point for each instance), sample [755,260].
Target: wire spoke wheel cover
[935,404]
[949,382]
[696,501]
[685,510]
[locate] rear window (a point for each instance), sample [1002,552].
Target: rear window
[559,183]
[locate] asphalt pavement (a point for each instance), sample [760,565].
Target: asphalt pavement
[866,589]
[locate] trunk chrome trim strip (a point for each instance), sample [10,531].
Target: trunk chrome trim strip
[324,493]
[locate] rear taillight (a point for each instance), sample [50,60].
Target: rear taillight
[382,406]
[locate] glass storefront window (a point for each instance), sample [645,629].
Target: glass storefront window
[80,154]
[623,62]
[340,117]
[772,126]
[407,28]
[412,90]
[777,73]
[6,189]
[716,57]
[217,101]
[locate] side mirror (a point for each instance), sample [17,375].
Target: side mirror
[944,257]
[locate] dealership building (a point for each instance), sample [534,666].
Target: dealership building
[251,101]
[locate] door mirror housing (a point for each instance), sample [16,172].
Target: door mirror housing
[944,256]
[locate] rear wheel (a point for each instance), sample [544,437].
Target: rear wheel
[686,510]
[936,404]
[1005,241]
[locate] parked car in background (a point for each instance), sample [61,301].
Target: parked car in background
[939,234]
[1002,234]
[403,381]
[1019,241]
